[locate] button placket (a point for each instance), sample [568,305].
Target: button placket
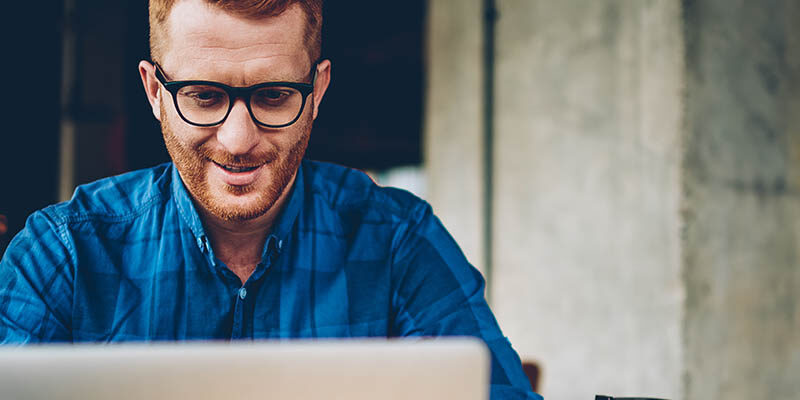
[238,314]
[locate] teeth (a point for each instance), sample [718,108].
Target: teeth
[237,169]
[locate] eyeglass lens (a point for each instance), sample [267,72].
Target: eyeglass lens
[272,105]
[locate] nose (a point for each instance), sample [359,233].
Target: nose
[238,134]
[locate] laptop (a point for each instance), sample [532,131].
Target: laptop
[442,368]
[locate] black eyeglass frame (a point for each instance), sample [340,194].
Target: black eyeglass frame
[235,92]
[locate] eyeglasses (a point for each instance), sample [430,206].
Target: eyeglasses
[207,103]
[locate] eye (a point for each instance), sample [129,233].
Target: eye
[205,96]
[272,97]
[273,94]
[202,96]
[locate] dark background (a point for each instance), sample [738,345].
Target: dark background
[370,119]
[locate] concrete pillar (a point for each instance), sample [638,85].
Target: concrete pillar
[587,275]
[92,130]
[742,200]
[453,123]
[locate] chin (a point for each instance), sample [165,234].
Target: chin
[237,212]
[237,203]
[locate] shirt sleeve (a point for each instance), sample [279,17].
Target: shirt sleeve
[438,293]
[36,284]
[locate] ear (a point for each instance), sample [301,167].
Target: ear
[151,87]
[321,83]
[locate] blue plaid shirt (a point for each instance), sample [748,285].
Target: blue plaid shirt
[127,259]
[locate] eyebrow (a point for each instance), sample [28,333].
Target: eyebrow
[309,75]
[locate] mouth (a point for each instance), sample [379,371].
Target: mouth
[238,174]
[236,169]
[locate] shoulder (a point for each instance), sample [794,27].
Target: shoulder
[352,193]
[115,198]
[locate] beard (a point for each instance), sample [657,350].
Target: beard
[192,161]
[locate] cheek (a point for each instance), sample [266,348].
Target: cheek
[284,142]
[189,138]
[301,132]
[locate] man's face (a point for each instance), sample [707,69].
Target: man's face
[205,43]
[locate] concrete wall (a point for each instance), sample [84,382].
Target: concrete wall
[454,120]
[742,187]
[646,213]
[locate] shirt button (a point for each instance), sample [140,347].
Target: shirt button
[280,244]
[242,293]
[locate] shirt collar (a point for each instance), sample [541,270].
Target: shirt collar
[186,209]
[284,223]
[280,229]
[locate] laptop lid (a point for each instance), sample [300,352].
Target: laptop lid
[292,370]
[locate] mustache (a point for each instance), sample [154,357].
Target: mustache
[239,160]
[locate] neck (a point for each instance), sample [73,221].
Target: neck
[238,242]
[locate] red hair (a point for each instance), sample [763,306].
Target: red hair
[160,9]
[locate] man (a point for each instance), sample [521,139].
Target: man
[238,237]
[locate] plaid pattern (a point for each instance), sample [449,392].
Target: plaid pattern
[127,259]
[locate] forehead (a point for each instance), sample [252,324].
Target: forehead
[204,42]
